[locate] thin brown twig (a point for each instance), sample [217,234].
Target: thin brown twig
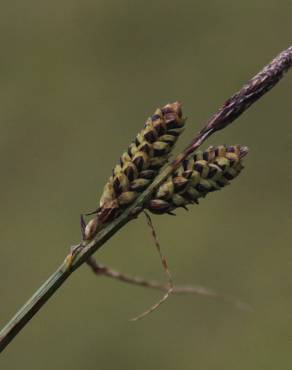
[100,270]
[166,269]
[232,109]
[158,247]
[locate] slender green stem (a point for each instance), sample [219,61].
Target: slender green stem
[232,108]
[31,307]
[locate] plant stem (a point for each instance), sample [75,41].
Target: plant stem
[232,108]
[31,307]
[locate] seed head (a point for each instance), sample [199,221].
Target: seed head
[140,164]
[200,174]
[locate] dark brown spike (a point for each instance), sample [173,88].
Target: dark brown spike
[202,177]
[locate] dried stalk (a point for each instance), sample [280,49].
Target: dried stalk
[100,270]
[231,109]
[163,260]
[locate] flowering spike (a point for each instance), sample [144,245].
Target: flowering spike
[140,164]
[197,177]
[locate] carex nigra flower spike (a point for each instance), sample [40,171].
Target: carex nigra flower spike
[142,161]
[200,174]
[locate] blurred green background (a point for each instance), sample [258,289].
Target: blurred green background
[78,79]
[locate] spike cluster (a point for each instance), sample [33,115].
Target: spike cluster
[200,174]
[197,176]
[140,164]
